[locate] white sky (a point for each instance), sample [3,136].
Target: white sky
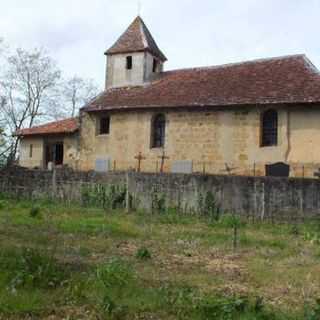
[189,32]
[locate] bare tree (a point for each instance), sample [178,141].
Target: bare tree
[71,95]
[25,88]
[4,146]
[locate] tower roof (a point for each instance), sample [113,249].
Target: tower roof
[136,38]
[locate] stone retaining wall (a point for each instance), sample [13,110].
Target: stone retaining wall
[256,197]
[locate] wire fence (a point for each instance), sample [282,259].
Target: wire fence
[254,169]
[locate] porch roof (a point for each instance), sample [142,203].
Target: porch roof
[66,126]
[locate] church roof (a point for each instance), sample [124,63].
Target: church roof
[65,126]
[282,80]
[136,38]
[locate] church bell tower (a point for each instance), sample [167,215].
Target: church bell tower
[135,59]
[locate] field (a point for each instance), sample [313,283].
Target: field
[61,262]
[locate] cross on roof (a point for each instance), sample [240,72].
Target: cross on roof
[139,7]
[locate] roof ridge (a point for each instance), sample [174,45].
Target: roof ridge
[65,119]
[232,64]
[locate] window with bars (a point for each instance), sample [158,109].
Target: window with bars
[158,131]
[269,128]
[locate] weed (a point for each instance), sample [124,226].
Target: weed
[294,230]
[108,305]
[35,269]
[101,196]
[258,304]
[34,212]
[181,300]
[115,277]
[312,312]
[158,202]
[77,290]
[143,254]
[213,307]
[312,237]
[233,221]
[3,204]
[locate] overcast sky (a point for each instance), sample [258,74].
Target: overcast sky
[190,32]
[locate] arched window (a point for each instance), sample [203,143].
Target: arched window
[158,131]
[269,128]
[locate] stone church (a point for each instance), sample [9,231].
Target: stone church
[235,118]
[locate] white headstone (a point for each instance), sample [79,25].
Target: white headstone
[103,164]
[182,166]
[50,165]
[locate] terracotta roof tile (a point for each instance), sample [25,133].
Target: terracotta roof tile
[135,39]
[291,79]
[70,125]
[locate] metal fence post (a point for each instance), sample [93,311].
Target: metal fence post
[127,192]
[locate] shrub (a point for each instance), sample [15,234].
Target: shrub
[143,254]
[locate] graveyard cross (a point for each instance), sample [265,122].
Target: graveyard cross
[139,157]
[163,157]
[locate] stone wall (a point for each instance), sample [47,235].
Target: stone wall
[219,140]
[61,184]
[141,73]
[37,158]
[256,197]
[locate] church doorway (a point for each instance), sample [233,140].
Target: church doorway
[54,153]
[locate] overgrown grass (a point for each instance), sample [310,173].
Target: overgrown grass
[70,262]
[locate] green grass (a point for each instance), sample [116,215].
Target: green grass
[67,262]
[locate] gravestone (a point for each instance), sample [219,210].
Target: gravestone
[182,166]
[103,164]
[279,169]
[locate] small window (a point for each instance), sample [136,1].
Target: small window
[30,151]
[158,131]
[155,65]
[104,125]
[129,63]
[269,128]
